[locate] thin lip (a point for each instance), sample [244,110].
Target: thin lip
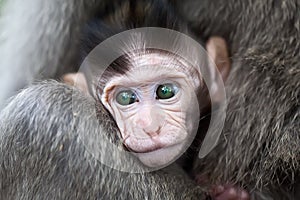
[157,145]
[148,149]
[152,148]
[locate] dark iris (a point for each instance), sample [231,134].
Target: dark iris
[166,91]
[126,97]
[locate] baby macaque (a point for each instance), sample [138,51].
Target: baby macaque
[156,99]
[153,98]
[151,104]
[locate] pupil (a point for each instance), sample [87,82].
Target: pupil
[165,90]
[126,97]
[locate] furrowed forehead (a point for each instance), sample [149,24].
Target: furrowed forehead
[142,57]
[157,59]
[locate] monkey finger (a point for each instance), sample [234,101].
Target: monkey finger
[217,190]
[233,194]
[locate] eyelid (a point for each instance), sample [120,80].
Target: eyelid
[120,89]
[168,83]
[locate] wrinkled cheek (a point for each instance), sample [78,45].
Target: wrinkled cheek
[124,129]
[192,120]
[122,124]
[183,129]
[175,123]
[190,126]
[129,130]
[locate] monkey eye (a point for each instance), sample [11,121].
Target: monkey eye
[126,97]
[166,91]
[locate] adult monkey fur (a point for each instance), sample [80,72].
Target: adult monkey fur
[211,25]
[263,90]
[36,151]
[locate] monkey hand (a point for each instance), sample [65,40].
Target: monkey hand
[228,192]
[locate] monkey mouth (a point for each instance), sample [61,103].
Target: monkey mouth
[149,145]
[146,150]
[135,145]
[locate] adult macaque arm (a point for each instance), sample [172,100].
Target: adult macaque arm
[43,157]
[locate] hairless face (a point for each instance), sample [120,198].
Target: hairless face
[151,104]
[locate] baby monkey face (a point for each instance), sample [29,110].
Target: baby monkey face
[153,105]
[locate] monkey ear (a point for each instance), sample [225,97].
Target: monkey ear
[217,50]
[76,79]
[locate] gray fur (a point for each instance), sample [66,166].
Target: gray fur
[43,158]
[26,25]
[261,148]
[261,141]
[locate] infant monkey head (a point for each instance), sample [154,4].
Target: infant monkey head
[153,96]
[151,104]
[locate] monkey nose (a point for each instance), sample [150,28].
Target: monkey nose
[152,133]
[149,126]
[143,122]
[150,121]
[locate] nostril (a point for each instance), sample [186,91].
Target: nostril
[153,133]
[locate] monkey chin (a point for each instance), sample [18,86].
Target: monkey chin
[161,157]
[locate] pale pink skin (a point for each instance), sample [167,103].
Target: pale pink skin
[223,192]
[229,192]
[157,130]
